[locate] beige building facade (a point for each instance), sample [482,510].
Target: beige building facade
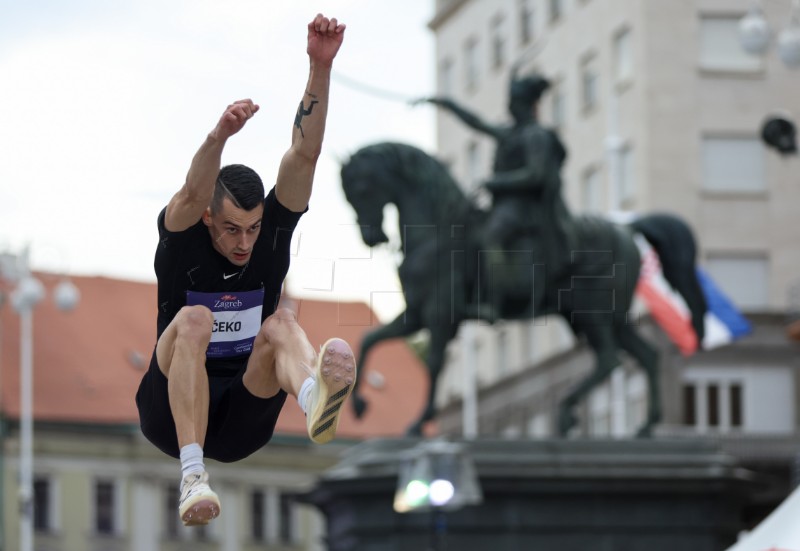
[660,110]
[107,489]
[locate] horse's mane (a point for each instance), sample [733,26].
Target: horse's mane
[422,174]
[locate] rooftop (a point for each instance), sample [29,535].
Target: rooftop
[88,362]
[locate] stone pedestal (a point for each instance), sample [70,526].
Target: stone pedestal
[559,495]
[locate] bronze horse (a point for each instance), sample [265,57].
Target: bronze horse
[444,280]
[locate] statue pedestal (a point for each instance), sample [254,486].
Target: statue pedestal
[559,495]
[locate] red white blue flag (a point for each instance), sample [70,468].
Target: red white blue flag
[723,322]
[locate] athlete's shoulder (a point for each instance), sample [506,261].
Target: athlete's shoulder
[191,231]
[277,216]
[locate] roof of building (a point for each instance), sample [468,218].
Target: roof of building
[88,362]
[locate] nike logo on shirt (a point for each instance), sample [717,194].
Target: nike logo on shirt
[228,276]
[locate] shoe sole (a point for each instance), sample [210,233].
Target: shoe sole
[336,374]
[201,512]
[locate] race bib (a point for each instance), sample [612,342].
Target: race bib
[237,319]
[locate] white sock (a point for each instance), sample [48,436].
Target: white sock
[192,459]
[305,392]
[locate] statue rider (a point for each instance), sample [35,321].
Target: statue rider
[527,206]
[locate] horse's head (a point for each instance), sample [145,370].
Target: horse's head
[419,185]
[364,183]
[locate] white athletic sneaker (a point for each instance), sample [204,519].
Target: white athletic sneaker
[334,377]
[199,504]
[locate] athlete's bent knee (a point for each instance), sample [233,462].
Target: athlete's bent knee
[284,314]
[278,325]
[194,323]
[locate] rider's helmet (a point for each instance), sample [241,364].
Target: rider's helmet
[524,93]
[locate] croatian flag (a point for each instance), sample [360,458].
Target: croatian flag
[723,322]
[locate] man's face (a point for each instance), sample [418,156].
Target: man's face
[234,231]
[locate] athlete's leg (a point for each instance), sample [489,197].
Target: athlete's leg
[283,358]
[181,353]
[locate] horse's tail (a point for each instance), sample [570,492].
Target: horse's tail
[675,244]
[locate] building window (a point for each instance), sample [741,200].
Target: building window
[623,56]
[743,278]
[288,521]
[732,398]
[736,405]
[591,192]
[498,43]
[628,176]
[689,405]
[273,517]
[625,183]
[172,496]
[526,21]
[556,10]
[733,164]
[104,506]
[471,64]
[720,49]
[559,108]
[258,518]
[713,404]
[43,504]
[446,77]
[589,84]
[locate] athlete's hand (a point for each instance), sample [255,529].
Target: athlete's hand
[234,118]
[324,38]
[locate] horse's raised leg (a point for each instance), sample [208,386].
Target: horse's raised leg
[647,357]
[440,336]
[601,339]
[402,326]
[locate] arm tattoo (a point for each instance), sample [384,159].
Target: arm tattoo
[302,112]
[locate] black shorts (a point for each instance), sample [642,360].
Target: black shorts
[239,423]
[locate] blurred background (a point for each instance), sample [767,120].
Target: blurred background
[662,106]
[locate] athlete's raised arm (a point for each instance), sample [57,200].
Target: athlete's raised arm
[188,204]
[296,172]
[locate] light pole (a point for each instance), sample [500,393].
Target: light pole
[28,293]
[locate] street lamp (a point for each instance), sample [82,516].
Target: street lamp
[755,34]
[28,293]
[779,132]
[437,474]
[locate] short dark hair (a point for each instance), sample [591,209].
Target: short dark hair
[241,184]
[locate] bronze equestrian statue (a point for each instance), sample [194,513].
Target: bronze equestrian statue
[461,262]
[525,187]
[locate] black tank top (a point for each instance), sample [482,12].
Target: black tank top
[186,261]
